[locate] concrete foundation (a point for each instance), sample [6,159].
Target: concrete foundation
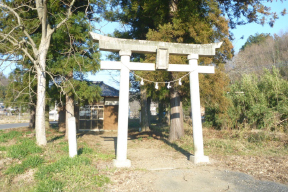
[120,164]
[199,159]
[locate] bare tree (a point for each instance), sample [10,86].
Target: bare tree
[17,43]
[254,58]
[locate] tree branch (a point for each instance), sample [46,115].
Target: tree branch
[21,25]
[69,12]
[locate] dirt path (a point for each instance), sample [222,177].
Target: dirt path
[157,166]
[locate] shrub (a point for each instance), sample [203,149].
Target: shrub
[260,102]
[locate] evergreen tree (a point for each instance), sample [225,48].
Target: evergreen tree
[176,21]
[31,28]
[21,92]
[3,87]
[255,39]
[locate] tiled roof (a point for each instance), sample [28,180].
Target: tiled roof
[107,91]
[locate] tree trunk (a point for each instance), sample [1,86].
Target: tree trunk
[76,115]
[149,110]
[32,117]
[161,111]
[176,125]
[69,112]
[47,124]
[181,115]
[41,88]
[69,105]
[62,119]
[144,110]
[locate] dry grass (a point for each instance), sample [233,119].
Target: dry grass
[259,153]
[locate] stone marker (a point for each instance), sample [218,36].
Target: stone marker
[72,141]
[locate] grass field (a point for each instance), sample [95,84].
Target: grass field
[24,166]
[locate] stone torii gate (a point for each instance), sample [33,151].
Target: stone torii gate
[125,47]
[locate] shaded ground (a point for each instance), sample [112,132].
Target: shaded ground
[160,166]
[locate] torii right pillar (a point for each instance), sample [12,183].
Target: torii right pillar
[198,156]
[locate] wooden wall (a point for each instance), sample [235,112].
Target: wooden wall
[111,117]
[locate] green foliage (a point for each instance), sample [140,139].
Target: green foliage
[23,149]
[4,137]
[213,89]
[2,92]
[259,102]
[70,49]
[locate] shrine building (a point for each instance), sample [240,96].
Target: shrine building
[101,115]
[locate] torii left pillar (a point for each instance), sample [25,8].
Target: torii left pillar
[121,152]
[198,156]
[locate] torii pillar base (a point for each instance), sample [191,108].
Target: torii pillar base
[199,159]
[121,164]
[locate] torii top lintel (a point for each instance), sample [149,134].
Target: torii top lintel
[143,46]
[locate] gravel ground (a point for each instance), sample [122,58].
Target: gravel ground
[159,167]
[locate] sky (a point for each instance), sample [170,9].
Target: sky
[280,27]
